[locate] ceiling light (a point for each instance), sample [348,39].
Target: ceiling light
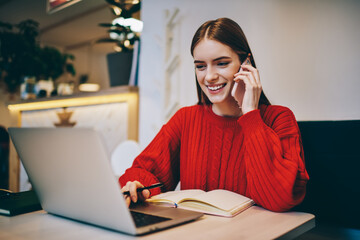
[134,24]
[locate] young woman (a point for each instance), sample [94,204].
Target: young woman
[232,139]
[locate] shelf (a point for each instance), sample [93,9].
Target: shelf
[116,94]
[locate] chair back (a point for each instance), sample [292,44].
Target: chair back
[123,156]
[332,158]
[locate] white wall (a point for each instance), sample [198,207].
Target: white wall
[307,52]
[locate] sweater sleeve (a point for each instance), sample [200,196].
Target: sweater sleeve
[275,167]
[159,162]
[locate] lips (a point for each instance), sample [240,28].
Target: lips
[216,87]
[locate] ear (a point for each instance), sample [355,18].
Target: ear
[247,60]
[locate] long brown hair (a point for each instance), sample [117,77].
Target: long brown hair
[228,32]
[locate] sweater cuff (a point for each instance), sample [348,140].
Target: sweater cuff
[141,176]
[251,121]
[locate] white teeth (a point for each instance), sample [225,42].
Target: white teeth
[215,88]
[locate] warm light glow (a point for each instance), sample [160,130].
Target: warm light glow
[81,101]
[89,87]
[117,48]
[127,43]
[117,11]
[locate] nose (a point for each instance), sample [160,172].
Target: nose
[211,74]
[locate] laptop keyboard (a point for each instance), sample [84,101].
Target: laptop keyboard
[143,219]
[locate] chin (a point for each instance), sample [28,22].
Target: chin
[216,100]
[219,97]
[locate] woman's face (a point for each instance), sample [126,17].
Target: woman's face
[215,66]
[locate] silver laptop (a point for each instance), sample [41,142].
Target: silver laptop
[71,173]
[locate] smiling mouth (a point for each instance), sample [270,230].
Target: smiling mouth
[216,87]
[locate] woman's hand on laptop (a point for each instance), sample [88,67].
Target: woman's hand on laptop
[134,195]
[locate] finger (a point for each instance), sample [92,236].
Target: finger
[240,70]
[247,67]
[128,185]
[253,83]
[125,188]
[237,73]
[127,200]
[248,79]
[138,184]
[240,76]
[126,197]
[249,98]
[133,190]
[237,79]
[145,194]
[254,71]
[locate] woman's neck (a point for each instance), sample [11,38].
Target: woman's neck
[227,109]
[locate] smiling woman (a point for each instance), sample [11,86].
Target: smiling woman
[233,138]
[234,43]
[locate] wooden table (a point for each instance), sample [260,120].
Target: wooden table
[254,223]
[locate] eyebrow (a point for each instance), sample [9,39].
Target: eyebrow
[216,59]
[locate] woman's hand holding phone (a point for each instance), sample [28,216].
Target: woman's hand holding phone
[247,87]
[134,195]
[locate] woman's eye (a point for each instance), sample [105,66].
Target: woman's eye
[223,63]
[200,67]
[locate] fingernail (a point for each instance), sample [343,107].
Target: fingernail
[134,199]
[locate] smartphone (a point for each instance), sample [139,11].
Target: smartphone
[236,85]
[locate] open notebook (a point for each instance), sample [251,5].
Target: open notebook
[216,202]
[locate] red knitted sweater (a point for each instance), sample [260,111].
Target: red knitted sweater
[258,155]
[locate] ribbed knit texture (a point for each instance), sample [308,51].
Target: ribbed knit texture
[258,155]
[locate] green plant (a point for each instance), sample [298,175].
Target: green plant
[123,36]
[21,55]
[55,63]
[17,45]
